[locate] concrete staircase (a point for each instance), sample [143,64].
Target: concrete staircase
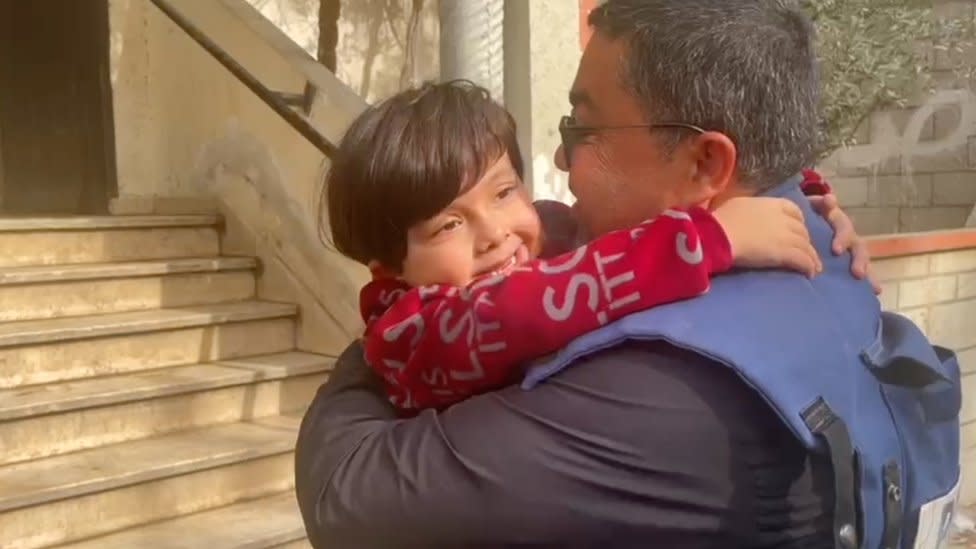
[147,400]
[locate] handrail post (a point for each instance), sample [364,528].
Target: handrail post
[269,97]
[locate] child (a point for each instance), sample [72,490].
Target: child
[426,189]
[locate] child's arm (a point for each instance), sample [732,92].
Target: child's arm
[438,345]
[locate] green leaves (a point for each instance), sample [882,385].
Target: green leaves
[878,55]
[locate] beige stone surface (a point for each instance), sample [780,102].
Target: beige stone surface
[954,189]
[229,146]
[851,191]
[90,515]
[87,246]
[901,267]
[32,400]
[951,324]
[924,291]
[268,522]
[54,434]
[874,220]
[967,492]
[889,295]
[90,297]
[967,285]
[96,271]
[88,223]
[954,262]
[967,360]
[56,361]
[100,469]
[919,219]
[900,191]
[298,544]
[968,413]
[71,328]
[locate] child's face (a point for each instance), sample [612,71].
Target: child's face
[490,228]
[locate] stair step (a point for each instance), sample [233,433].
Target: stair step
[97,222]
[33,274]
[55,419]
[51,291]
[66,396]
[259,524]
[297,544]
[107,489]
[31,332]
[99,469]
[49,350]
[73,240]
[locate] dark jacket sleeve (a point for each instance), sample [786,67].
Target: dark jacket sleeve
[640,446]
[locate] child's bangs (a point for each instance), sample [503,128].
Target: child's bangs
[453,149]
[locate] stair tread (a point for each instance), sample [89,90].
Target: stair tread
[115,465]
[64,396]
[106,222]
[26,332]
[91,271]
[256,524]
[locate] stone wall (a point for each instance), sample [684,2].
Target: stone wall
[383,46]
[938,292]
[190,136]
[915,168]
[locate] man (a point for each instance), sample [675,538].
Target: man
[746,418]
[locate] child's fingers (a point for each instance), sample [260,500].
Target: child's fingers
[861,258]
[792,210]
[803,262]
[804,241]
[815,257]
[817,203]
[845,238]
[800,256]
[824,204]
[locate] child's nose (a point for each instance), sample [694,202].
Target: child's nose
[492,236]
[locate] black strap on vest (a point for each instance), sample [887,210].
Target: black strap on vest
[823,422]
[892,506]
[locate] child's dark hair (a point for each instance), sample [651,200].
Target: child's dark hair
[407,158]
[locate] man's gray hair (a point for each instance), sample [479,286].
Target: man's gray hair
[746,68]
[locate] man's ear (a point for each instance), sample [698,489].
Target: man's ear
[379,271]
[715,157]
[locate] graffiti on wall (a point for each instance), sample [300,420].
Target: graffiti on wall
[910,146]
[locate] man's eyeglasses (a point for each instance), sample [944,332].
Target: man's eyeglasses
[572,133]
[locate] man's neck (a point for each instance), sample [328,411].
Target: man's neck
[737,189]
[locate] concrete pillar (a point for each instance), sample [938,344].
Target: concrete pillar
[472,45]
[542,52]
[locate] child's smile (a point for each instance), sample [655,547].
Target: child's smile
[490,229]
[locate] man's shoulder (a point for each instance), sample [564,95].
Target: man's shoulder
[640,393]
[660,372]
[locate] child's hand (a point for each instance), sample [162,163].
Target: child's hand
[768,233]
[846,238]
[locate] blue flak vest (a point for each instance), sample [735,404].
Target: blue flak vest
[862,385]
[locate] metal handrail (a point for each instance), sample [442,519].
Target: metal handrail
[276,101]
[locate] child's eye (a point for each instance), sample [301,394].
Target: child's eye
[506,192]
[449,226]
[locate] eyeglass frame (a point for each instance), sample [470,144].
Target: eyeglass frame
[570,141]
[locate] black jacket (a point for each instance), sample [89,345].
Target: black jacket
[640,446]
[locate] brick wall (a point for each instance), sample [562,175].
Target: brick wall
[915,168]
[938,292]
